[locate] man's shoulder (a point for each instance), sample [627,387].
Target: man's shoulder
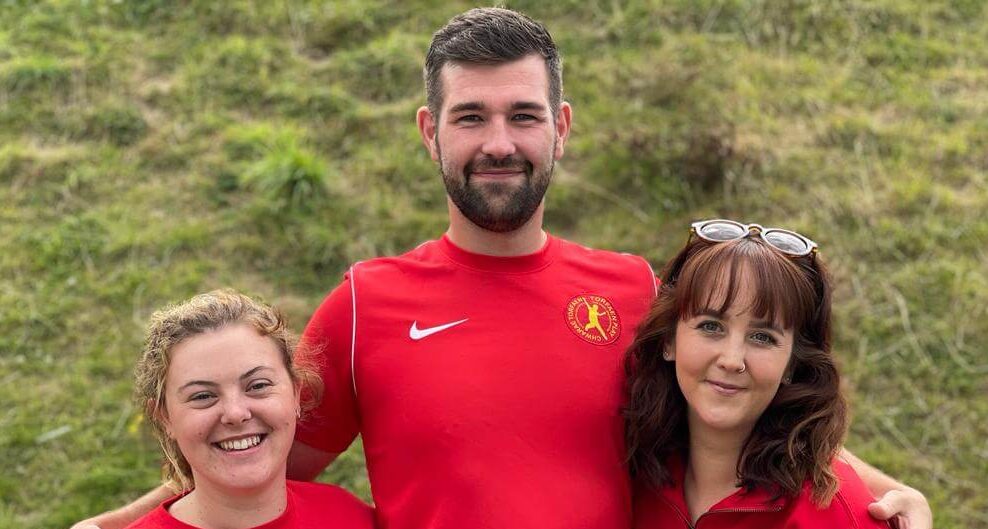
[577,253]
[426,253]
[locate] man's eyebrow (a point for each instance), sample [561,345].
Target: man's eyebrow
[209,383]
[474,106]
[468,105]
[528,105]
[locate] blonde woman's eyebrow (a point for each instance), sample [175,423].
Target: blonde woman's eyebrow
[207,383]
[210,383]
[254,371]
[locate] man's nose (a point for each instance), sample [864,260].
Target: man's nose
[499,143]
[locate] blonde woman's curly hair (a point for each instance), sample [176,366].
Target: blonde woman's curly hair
[176,323]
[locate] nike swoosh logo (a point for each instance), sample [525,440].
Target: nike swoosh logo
[417,334]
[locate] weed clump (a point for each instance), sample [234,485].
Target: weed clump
[283,174]
[120,125]
[40,74]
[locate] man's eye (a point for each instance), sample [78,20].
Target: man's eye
[469,118]
[524,117]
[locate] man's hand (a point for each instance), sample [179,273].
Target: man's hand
[909,504]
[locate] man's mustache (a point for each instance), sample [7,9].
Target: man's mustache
[510,163]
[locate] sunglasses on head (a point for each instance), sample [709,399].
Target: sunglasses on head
[722,230]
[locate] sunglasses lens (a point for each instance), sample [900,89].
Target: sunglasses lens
[721,231]
[786,242]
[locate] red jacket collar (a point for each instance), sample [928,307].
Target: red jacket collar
[753,500]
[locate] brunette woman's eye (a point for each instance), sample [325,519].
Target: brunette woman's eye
[710,326]
[764,338]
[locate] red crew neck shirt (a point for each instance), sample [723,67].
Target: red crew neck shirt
[310,506]
[487,389]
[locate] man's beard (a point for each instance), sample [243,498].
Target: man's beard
[497,206]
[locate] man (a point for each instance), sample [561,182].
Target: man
[484,369]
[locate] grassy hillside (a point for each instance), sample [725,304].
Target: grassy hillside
[153,149]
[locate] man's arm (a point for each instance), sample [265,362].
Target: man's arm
[306,462]
[895,498]
[124,516]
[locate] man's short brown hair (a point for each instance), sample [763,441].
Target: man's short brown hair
[490,35]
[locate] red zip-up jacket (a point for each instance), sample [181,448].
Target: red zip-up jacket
[666,508]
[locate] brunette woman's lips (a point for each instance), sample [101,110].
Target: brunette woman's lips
[724,388]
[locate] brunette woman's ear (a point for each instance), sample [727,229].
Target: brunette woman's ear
[787,374]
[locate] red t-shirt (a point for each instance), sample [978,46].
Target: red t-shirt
[666,508]
[487,389]
[310,506]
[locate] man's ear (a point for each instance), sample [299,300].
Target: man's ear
[564,122]
[427,129]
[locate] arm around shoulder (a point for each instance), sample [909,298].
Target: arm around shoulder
[895,499]
[306,462]
[126,515]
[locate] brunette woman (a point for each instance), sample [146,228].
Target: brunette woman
[735,415]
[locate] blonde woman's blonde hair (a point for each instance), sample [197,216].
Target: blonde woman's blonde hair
[176,323]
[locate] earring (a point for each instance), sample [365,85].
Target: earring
[666,355]
[786,380]
[298,412]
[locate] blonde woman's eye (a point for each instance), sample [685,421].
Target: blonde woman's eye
[259,385]
[201,396]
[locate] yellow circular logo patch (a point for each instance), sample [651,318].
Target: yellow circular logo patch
[593,318]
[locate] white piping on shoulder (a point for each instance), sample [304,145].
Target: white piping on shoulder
[651,276]
[651,272]
[353,332]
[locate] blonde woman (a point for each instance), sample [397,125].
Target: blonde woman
[219,387]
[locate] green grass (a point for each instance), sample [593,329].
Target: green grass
[149,152]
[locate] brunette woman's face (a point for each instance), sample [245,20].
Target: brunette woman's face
[729,365]
[231,407]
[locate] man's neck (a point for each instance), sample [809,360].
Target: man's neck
[207,507]
[527,239]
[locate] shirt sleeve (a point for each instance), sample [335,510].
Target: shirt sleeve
[853,498]
[326,348]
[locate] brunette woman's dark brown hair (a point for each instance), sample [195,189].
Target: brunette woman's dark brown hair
[801,431]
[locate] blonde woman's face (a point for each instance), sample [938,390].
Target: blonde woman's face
[231,408]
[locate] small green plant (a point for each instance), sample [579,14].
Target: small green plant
[29,75]
[288,176]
